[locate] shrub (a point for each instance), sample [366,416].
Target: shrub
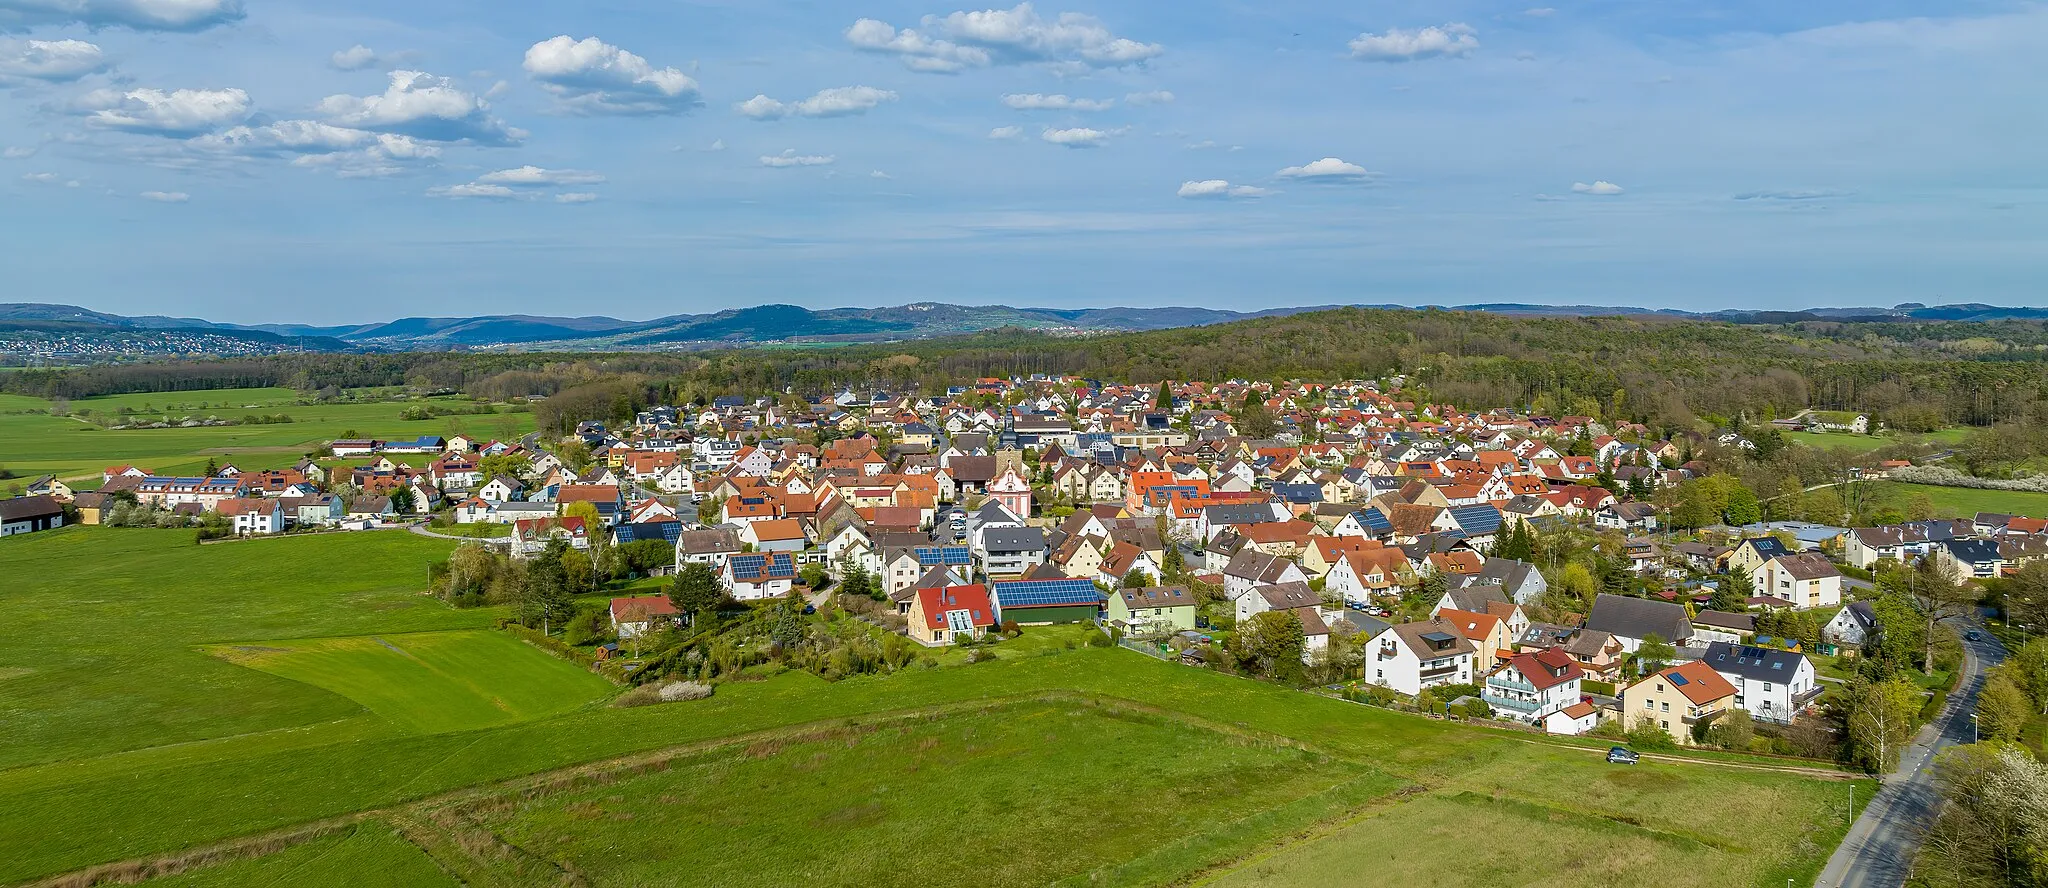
[1649,736]
[666,692]
[1603,688]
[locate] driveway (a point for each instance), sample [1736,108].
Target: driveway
[1879,846]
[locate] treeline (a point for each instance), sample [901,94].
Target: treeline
[1645,368]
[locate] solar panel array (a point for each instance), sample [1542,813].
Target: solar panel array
[930,556]
[1046,593]
[754,567]
[1678,679]
[1372,520]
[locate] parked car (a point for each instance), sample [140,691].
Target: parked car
[1971,635]
[1622,755]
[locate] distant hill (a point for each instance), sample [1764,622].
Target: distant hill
[793,323]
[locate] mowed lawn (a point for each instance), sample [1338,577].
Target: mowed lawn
[36,443]
[105,628]
[367,855]
[429,682]
[1014,795]
[1965,502]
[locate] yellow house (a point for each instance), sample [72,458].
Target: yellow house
[1678,700]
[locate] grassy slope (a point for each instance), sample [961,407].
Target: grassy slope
[37,443]
[369,855]
[95,807]
[1964,502]
[429,682]
[107,621]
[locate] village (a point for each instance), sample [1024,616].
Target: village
[1388,546]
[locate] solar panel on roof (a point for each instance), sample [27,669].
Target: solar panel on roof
[1677,679]
[1046,593]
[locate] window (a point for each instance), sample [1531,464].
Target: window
[1649,704]
[1767,687]
[1667,707]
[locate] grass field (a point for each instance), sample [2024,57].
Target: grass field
[429,682]
[128,741]
[36,443]
[1866,443]
[1964,502]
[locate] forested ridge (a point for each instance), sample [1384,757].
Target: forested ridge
[1676,371]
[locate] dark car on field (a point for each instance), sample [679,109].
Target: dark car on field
[1622,755]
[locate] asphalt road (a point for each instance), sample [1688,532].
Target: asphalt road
[1877,851]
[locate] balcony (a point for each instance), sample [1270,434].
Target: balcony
[1516,705]
[1440,674]
[1508,684]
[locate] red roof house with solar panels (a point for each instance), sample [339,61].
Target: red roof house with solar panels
[759,576]
[942,616]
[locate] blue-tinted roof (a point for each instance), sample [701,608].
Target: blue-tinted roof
[1373,521]
[928,556]
[1476,519]
[1046,593]
[669,531]
[756,566]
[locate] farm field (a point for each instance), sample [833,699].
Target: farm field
[1166,771]
[1866,443]
[1965,502]
[430,682]
[36,443]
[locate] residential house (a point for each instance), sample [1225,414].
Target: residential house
[1491,640]
[1254,568]
[1009,550]
[1802,581]
[1774,685]
[1283,596]
[758,576]
[1681,700]
[1969,559]
[28,514]
[708,546]
[947,614]
[1531,686]
[638,615]
[1413,656]
[1152,610]
[1710,626]
[253,515]
[1751,553]
[531,536]
[1852,626]
[1630,620]
[778,535]
[376,509]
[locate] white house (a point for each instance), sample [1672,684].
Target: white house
[1851,626]
[1774,685]
[1413,656]
[1573,720]
[1530,686]
[253,516]
[755,577]
[1284,596]
[1805,580]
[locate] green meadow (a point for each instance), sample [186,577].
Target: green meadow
[152,709]
[33,442]
[1966,502]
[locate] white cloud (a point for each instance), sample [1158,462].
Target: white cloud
[878,174]
[40,177]
[1077,137]
[473,190]
[839,101]
[1600,187]
[575,197]
[350,153]
[422,106]
[1006,132]
[1016,36]
[1055,102]
[53,61]
[18,152]
[1450,41]
[1540,12]
[533,175]
[1155,97]
[789,158]
[1327,168]
[590,76]
[166,196]
[139,15]
[354,58]
[1219,189]
[177,113]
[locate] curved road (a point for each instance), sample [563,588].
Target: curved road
[1880,845]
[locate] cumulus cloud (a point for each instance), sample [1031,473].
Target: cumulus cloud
[1055,102]
[422,106]
[1155,97]
[575,197]
[1219,189]
[473,190]
[962,40]
[178,113]
[590,76]
[18,152]
[878,174]
[49,61]
[1451,41]
[350,153]
[355,58]
[1327,168]
[1077,137]
[1800,194]
[40,177]
[1600,187]
[1006,132]
[533,175]
[839,101]
[139,15]
[166,196]
[789,158]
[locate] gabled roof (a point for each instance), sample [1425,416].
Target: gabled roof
[1754,663]
[1639,618]
[937,602]
[1697,681]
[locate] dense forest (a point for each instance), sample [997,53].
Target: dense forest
[1675,372]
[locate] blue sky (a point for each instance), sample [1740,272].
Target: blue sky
[272,160]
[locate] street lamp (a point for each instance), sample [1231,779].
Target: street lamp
[1973,727]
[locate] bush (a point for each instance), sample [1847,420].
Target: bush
[1649,736]
[666,692]
[1602,688]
